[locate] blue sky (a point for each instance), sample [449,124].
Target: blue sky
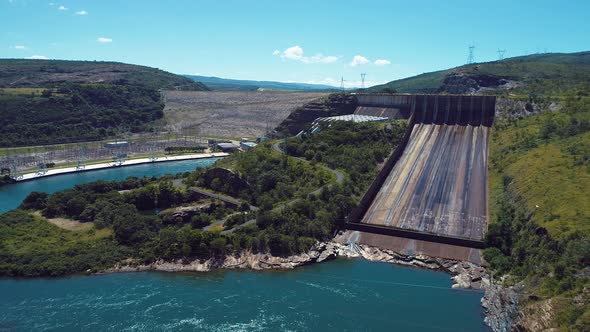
[316,41]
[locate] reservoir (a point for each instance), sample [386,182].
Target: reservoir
[340,295]
[13,194]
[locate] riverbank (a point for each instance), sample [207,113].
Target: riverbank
[466,275]
[499,303]
[130,162]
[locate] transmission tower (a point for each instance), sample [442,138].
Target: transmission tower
[41,163]
[363,75]
[13,166]
[501,55]
[342,83]
[470,58]
[153,145]
[81,157]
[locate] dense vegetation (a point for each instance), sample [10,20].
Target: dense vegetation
[541,74]
[349,146]
[76,113]
[540,201]
[272,177]
[30,246]
[53,101]
[289,220]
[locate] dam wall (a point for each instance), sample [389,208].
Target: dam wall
[434,186]
[388,106]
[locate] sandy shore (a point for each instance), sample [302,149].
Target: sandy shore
[57,171]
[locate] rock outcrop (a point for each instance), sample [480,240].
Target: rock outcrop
[499,303]
[464,83]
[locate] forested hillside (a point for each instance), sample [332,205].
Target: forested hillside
[75,113]
[55,101]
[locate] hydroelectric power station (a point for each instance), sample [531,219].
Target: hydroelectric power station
[431,196]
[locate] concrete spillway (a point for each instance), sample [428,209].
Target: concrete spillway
[434,187]
[439,185]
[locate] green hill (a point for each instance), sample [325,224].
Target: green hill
[549,73]
[56,101]
[15,73]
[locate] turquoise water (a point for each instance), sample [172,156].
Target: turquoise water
[341,295]
[12,195]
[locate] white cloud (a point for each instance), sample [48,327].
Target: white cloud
[20,47]
[62,8]
[37,57]
[104,40]
[358,60]
[52,4]
[295,53]
[82,12]
[382,62]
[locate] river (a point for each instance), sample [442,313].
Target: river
[341,295]
[13,194]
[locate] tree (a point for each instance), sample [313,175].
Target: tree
[218,246]
[35,201]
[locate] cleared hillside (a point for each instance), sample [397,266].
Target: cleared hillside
[232,114]
[16,73]
[550,73]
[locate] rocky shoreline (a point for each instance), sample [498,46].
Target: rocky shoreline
[499,303]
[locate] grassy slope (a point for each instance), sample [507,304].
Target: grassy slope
[542,73]
[34,247]
[49,73]
[550,172]
[541,166]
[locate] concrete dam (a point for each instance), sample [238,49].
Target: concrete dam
[431,196]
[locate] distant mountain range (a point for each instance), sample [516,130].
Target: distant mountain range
[225,84]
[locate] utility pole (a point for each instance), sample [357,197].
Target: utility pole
[471,58]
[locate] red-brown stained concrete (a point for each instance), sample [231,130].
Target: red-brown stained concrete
[439,185]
